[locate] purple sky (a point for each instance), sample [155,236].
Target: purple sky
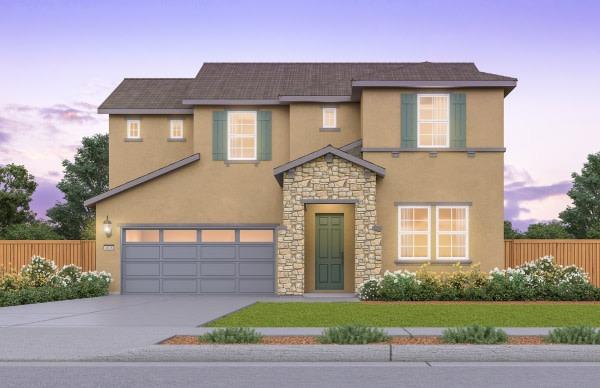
[60,59]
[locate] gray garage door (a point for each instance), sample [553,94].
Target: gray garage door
[197,261]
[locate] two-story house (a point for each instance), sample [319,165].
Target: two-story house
[299,177]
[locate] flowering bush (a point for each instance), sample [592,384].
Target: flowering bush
[537,280]
[39,281]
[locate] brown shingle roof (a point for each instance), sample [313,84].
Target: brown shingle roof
[268,81]
[148,93]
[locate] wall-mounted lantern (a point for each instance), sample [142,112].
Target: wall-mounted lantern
[107,227]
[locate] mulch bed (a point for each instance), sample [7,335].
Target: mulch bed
[312,340]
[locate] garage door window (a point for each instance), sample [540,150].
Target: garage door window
[141,235]
[256,235]
[218,236]
[180,236]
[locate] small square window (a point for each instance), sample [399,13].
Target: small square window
[133,129]
[329,117]
[176,129]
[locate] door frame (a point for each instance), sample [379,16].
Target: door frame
[316,245]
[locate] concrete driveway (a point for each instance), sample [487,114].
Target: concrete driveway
[84,328]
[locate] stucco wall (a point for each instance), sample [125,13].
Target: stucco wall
[129,160]
[381,114]
[450,177]
[306,119]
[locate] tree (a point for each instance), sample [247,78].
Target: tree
[547,230]
[583,218]
[85,177]
[30,231]
[16,188]
[509,232]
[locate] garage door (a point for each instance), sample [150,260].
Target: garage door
[197,261]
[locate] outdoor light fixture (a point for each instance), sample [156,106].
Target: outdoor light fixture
[107,227]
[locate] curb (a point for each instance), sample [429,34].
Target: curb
[358,353]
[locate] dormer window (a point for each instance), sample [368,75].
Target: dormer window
[133,129]
[329,117]
[176,129]
[433,123]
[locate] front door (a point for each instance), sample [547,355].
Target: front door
[329,253]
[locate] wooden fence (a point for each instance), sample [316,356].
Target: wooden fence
[14,254]
[582,253]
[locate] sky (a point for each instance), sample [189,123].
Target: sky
[60,59]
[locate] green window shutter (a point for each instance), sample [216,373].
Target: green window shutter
[263,151]
[219,136]
[458,120]
[409,121]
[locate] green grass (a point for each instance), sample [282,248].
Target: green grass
[412,315]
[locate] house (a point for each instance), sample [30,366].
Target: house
[290,178]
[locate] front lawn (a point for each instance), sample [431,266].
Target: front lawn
[298,314]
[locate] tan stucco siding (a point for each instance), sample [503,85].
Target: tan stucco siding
[381,115]
[131,159]
[449,177]
[309,240]
[306,119]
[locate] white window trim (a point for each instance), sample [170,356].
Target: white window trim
[171,135]
[139,125]
[447,95]
[229,134]
[325,110]
[437,234]
[428,257]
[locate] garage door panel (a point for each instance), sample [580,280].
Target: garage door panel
[256,268]
[265,285]
[141,286]
[218,252]
[180,269]
[217,269]
[256,252]
[142,252]
[180,252]
[198,267]
[187,286]
[142,269]
[217,285]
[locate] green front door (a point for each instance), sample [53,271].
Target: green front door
[329,252]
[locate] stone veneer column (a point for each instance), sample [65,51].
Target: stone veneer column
[328,178]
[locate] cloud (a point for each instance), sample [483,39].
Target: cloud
[58,112]
[45,196]
[526,203]
[4,136]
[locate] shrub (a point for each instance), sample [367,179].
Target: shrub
[39,272]
[232,335]
[69,274]
[576,335]
[474,334]
[352,335]
[536,280]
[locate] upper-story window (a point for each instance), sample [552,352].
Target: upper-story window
[241,135]
[133,129]
[433,120]
[329,117]
[176,129]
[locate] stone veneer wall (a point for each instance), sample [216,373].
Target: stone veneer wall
[328,178]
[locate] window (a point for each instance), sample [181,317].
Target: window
[433,120]
[329,118]
[179,236]
[176,129]
[210,235]
[141,235]
[133,129]
[413,232]
[241,135]
[256,235]
[452,232]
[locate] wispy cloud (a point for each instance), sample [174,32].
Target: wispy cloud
[525,202]
[59,112]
